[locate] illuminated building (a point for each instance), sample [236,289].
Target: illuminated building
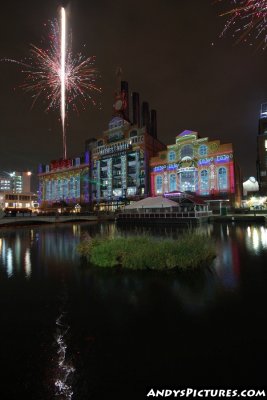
[11,200]
[113,168]
[120,158]
[197,165]
[64,181]
[262,151]
[15,182]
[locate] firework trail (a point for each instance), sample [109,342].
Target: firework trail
[248,20]
[54,74]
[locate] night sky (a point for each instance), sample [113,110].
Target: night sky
[170,52]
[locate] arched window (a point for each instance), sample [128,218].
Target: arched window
[133,133]
[159,182]
[172,156]
[204,182]
[187,151]
[222,179]
[203,150]
[172,182]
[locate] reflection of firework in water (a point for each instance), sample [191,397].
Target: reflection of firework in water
[57,76]
[248,20]
[64,368]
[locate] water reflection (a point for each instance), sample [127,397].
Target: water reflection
[26,251]
[15,249]
[28,265]
[256,239]
[107,311]
[227,261]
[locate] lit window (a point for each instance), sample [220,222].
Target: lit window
[222,179]
[172,156]
[203,150]
[265,143]
[187,151]
[172,182]
[159,182]
[204,182]
[187,181]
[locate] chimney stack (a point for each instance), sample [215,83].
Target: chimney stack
[136,109]
[125,94]
[146,116]
[154,123]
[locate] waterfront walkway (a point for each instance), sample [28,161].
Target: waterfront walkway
[239,218]
[32,220]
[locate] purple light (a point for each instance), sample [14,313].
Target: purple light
[87,157]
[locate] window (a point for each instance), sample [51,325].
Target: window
[187,151]
[159,182]
[222,179]
[203,150]
[172,155]
[172,182]
[188,181]
[265,144]
[204,182]
[133,133]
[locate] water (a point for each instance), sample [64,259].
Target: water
[70,332]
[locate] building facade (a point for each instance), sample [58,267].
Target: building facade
[113,168]
[119,167]
[64,181]
[15,182]
[18,201]
[197,165]
[262,151]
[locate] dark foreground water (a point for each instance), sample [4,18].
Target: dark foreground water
[70,332]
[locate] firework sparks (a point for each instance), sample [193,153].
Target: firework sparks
[59,78]
[248,20]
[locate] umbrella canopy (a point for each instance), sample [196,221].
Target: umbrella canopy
[152,202]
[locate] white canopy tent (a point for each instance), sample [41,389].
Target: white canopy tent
[152,202]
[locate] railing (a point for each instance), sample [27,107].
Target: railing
[165,215]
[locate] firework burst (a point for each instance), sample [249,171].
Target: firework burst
[248,20]
[56,76]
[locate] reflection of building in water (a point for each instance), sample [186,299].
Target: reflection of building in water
[58,245]
[197,165]
[227,261]
[256,238]
[13,250]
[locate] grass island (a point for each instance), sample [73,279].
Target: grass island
[191,251]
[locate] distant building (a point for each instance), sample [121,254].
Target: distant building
[250,186]
[64,181]
[197,165]
[15,182]
[16,201]
[262,151]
